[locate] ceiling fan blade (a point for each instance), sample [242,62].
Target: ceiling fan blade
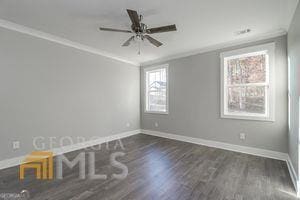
[134,17]
[153,41]
[127,43]
[114,30]
[162,29]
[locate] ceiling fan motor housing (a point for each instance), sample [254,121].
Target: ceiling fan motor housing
[141,29]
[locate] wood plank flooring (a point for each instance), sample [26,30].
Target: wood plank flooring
[161,169]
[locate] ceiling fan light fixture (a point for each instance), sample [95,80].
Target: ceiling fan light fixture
[140,30]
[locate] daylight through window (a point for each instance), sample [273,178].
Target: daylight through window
[247,89]
[156,80]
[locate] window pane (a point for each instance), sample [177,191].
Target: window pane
[251,69]
[250,99]
[157,90]
[157,101]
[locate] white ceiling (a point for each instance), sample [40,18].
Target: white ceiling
[200,23]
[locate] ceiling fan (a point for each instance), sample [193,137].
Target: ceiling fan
[140,30]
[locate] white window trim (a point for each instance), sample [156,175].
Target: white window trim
[166,66]
[270,49]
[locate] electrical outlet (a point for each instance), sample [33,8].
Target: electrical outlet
[242,136]
[128,124]
[16,144]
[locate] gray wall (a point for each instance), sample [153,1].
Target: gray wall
[294,60]
[194,97]
[47,89]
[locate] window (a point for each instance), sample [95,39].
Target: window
[156,89]
[247,83]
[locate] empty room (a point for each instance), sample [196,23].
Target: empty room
[149,100]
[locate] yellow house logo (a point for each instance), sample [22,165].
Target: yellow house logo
[41,161]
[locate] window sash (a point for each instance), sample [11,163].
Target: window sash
[147,72]
[268,51]
[241,113]
[248,85]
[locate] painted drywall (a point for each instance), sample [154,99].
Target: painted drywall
[194,103]
[47,89]
[294,81]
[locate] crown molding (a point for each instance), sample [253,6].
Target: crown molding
[63,41]
[60,40]
[217,47]
[293,15]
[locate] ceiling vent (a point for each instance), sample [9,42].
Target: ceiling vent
[242,32]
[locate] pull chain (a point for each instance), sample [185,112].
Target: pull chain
[139,53]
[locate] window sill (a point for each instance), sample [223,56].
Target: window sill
[153,112]
[250,118]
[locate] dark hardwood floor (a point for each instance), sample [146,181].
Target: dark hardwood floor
[164,169]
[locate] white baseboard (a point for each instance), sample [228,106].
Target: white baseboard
[221,145]
[232,147]
[293,175]
[61,150]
